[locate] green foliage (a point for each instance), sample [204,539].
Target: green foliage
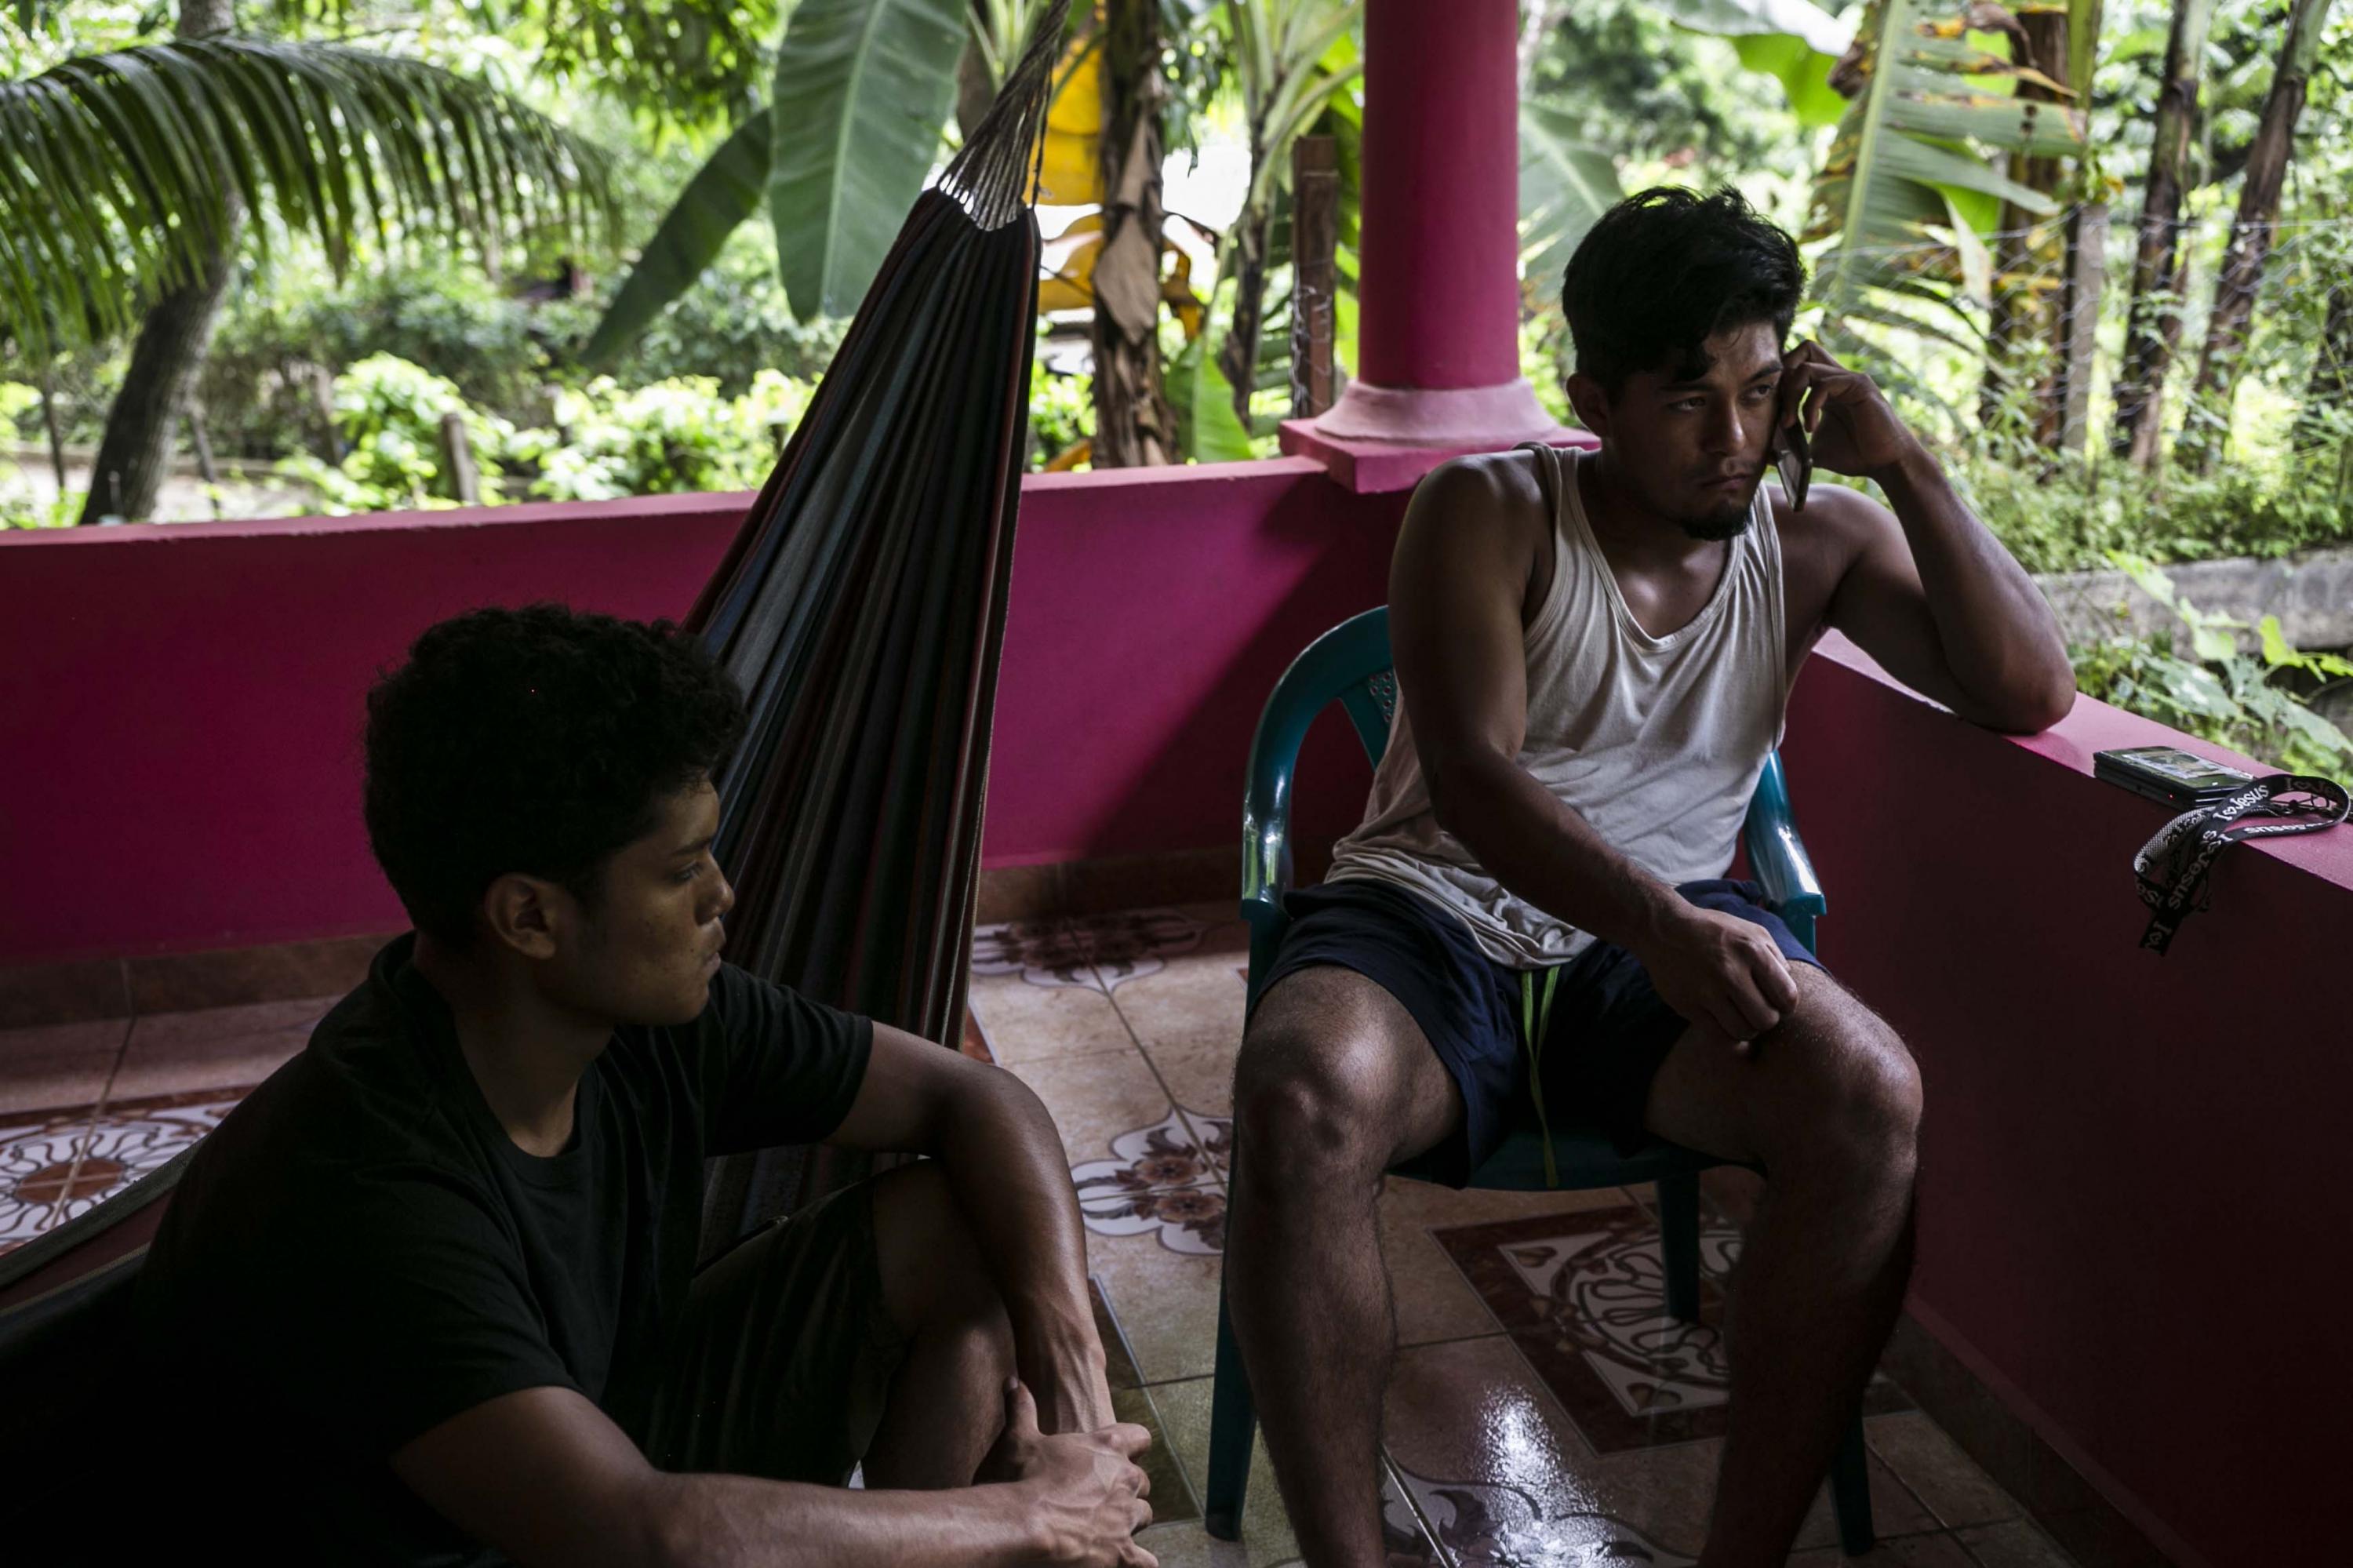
[732,324]
[2063,521]
[390,413]
[1061,412]
[2200,679]
[1622,76]
[673,436]
[123,173]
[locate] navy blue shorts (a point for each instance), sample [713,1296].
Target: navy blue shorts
[1608,1033]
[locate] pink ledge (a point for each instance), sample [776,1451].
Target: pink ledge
[1375,439]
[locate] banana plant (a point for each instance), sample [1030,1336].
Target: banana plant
[1292,57]
[1907,181]
[1794,41]
[858,103]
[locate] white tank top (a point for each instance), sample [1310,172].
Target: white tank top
[1657,742]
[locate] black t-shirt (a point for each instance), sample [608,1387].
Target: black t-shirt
[360,1251]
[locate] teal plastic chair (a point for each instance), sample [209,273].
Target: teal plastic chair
[1351,664]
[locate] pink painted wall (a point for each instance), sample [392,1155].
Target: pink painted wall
[2127,1209]
[180,705]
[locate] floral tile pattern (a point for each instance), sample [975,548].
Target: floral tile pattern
[56,1165]
[1486,1524]
[1158,1180]
[1043,952]
[1584,1296]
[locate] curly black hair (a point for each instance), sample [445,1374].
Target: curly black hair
[1663,271]
[536,740]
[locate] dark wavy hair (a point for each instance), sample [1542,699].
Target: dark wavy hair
[1665,270]
[536,740]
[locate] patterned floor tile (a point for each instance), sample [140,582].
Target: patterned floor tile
[1493,1465]
[1098,1099]
[1028,1021]
[1136,943]
[1586,1302]
[1473,1412]
[54,1170]
[1434,1301]
[58,1065]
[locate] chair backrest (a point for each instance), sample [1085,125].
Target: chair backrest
[1351,664]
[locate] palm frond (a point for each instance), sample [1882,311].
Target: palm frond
[119,173]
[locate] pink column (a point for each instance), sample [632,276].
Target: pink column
[1439,290]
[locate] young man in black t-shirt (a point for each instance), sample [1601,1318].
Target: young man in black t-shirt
[434,1282]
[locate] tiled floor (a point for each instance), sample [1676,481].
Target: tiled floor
[86,1108]
[1544,1412]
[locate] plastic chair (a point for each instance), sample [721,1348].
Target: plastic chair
[1351,664]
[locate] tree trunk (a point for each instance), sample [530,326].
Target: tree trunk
[2208,429]
[49,424]
[133,454]
[1135,425]
[2328,393]
[2023,342]
[1533,29]
[2153,322]
[1238,357]
[2079,323]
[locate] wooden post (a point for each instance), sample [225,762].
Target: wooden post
[49,422]
[1315,241]
[457,465]
[201,440]
[2079,320]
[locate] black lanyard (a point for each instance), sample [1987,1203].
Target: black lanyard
[2171,867]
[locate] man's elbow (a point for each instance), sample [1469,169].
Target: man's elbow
[2033,708]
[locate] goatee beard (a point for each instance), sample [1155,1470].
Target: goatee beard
[1718,526]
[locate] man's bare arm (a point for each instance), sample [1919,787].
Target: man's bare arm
[1471,545]
[1004,1160]
[1929,591]
[547,1478]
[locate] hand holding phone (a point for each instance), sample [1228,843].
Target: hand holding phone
[1795,459]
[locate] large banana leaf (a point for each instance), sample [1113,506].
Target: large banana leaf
[118,172]
[724,193]
[1794,41]
[862,90]
[1564,187]
[1911,157]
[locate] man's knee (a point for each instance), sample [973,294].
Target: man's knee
[1309,1106]
[1860,1098]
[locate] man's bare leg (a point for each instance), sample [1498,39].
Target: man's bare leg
[1830,1102]
[947,1400]
[1336,1083]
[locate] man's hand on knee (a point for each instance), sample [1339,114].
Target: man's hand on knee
[1087,1491]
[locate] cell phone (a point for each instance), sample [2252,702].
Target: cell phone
[1795,459]
[2169,775]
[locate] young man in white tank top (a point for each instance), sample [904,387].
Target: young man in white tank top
[1592,657]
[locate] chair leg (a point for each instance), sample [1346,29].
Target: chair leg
[1679,1244]
[1851,1492]
[1233,1426]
